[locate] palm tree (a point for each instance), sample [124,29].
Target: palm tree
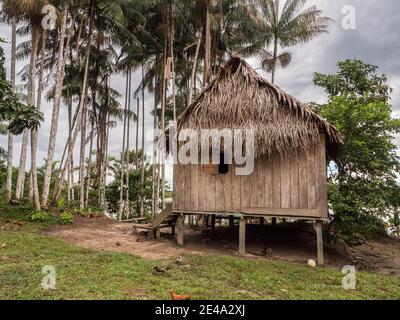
[287,29]
[32,101]
[79,116]
[10,135]
[61,57]
[34,132]
[29,10]
[142,195]
[125,152]
[101,23]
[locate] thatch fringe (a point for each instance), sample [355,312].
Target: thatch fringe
[239,98]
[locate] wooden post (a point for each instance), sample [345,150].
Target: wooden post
[191,224]
[242,236]
[213,218]
[262,223]
[231,221]
[320,243]
[180,229]
[157,234]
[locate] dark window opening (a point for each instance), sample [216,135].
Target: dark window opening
[223,168]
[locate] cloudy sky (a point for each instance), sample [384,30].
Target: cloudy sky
[374,40]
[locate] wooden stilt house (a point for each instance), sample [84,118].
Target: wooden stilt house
[291,148]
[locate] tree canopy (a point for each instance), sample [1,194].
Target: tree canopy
[363,187]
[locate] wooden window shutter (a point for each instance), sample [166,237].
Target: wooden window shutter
[211,169]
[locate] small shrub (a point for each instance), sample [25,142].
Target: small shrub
[66,218]
[61,203]
[41,216]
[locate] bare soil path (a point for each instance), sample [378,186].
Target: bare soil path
[289,242]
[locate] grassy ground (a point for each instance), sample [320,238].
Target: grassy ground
[85,274]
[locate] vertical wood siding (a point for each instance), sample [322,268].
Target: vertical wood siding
[297,181]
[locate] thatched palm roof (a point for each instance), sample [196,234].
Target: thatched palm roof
[239,98]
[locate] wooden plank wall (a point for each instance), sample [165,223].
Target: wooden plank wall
[298,181]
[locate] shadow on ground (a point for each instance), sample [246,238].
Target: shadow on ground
[294,242]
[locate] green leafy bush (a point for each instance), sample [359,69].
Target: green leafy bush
[41,216]
[66,218]
[363,188]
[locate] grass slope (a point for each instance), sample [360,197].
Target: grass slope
[85,274]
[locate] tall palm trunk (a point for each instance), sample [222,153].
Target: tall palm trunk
[69,168]
[56,111]
[102,147]
[32,102]
[193,77]
[82,159]
[30,194]
[123,158]
[10,135]
[19,188]
[155,163]
[82,103]
[275,42]
[163,109]
[104,166]
[171,36]
[89,166]
[128,144]
[33,184]
[142,196]
[137,149]
[208,46]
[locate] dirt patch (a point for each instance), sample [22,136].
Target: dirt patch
[104,234]
[12,225]
[382,256]
[287,242]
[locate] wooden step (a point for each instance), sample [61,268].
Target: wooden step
[162,216]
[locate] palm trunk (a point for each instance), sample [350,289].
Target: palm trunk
[137,150]
[275,42]
[33,185]
[163,108]
[157,195]
[127,144]
[69,170]
[103,180]
[10,149]
[82,159]
[102,146]
[81,106]
[274,61]
[56,111]
[34,133]
[30,190]
[207,59]
[22,164]
[143,152]
[89,169]
[171,36]
[155,163]
[122,186]
[193,77]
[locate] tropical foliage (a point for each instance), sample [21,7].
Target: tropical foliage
[363,188]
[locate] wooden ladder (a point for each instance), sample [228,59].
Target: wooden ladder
[165,216]
[165,219]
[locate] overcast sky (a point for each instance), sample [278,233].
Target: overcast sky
[375,40]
